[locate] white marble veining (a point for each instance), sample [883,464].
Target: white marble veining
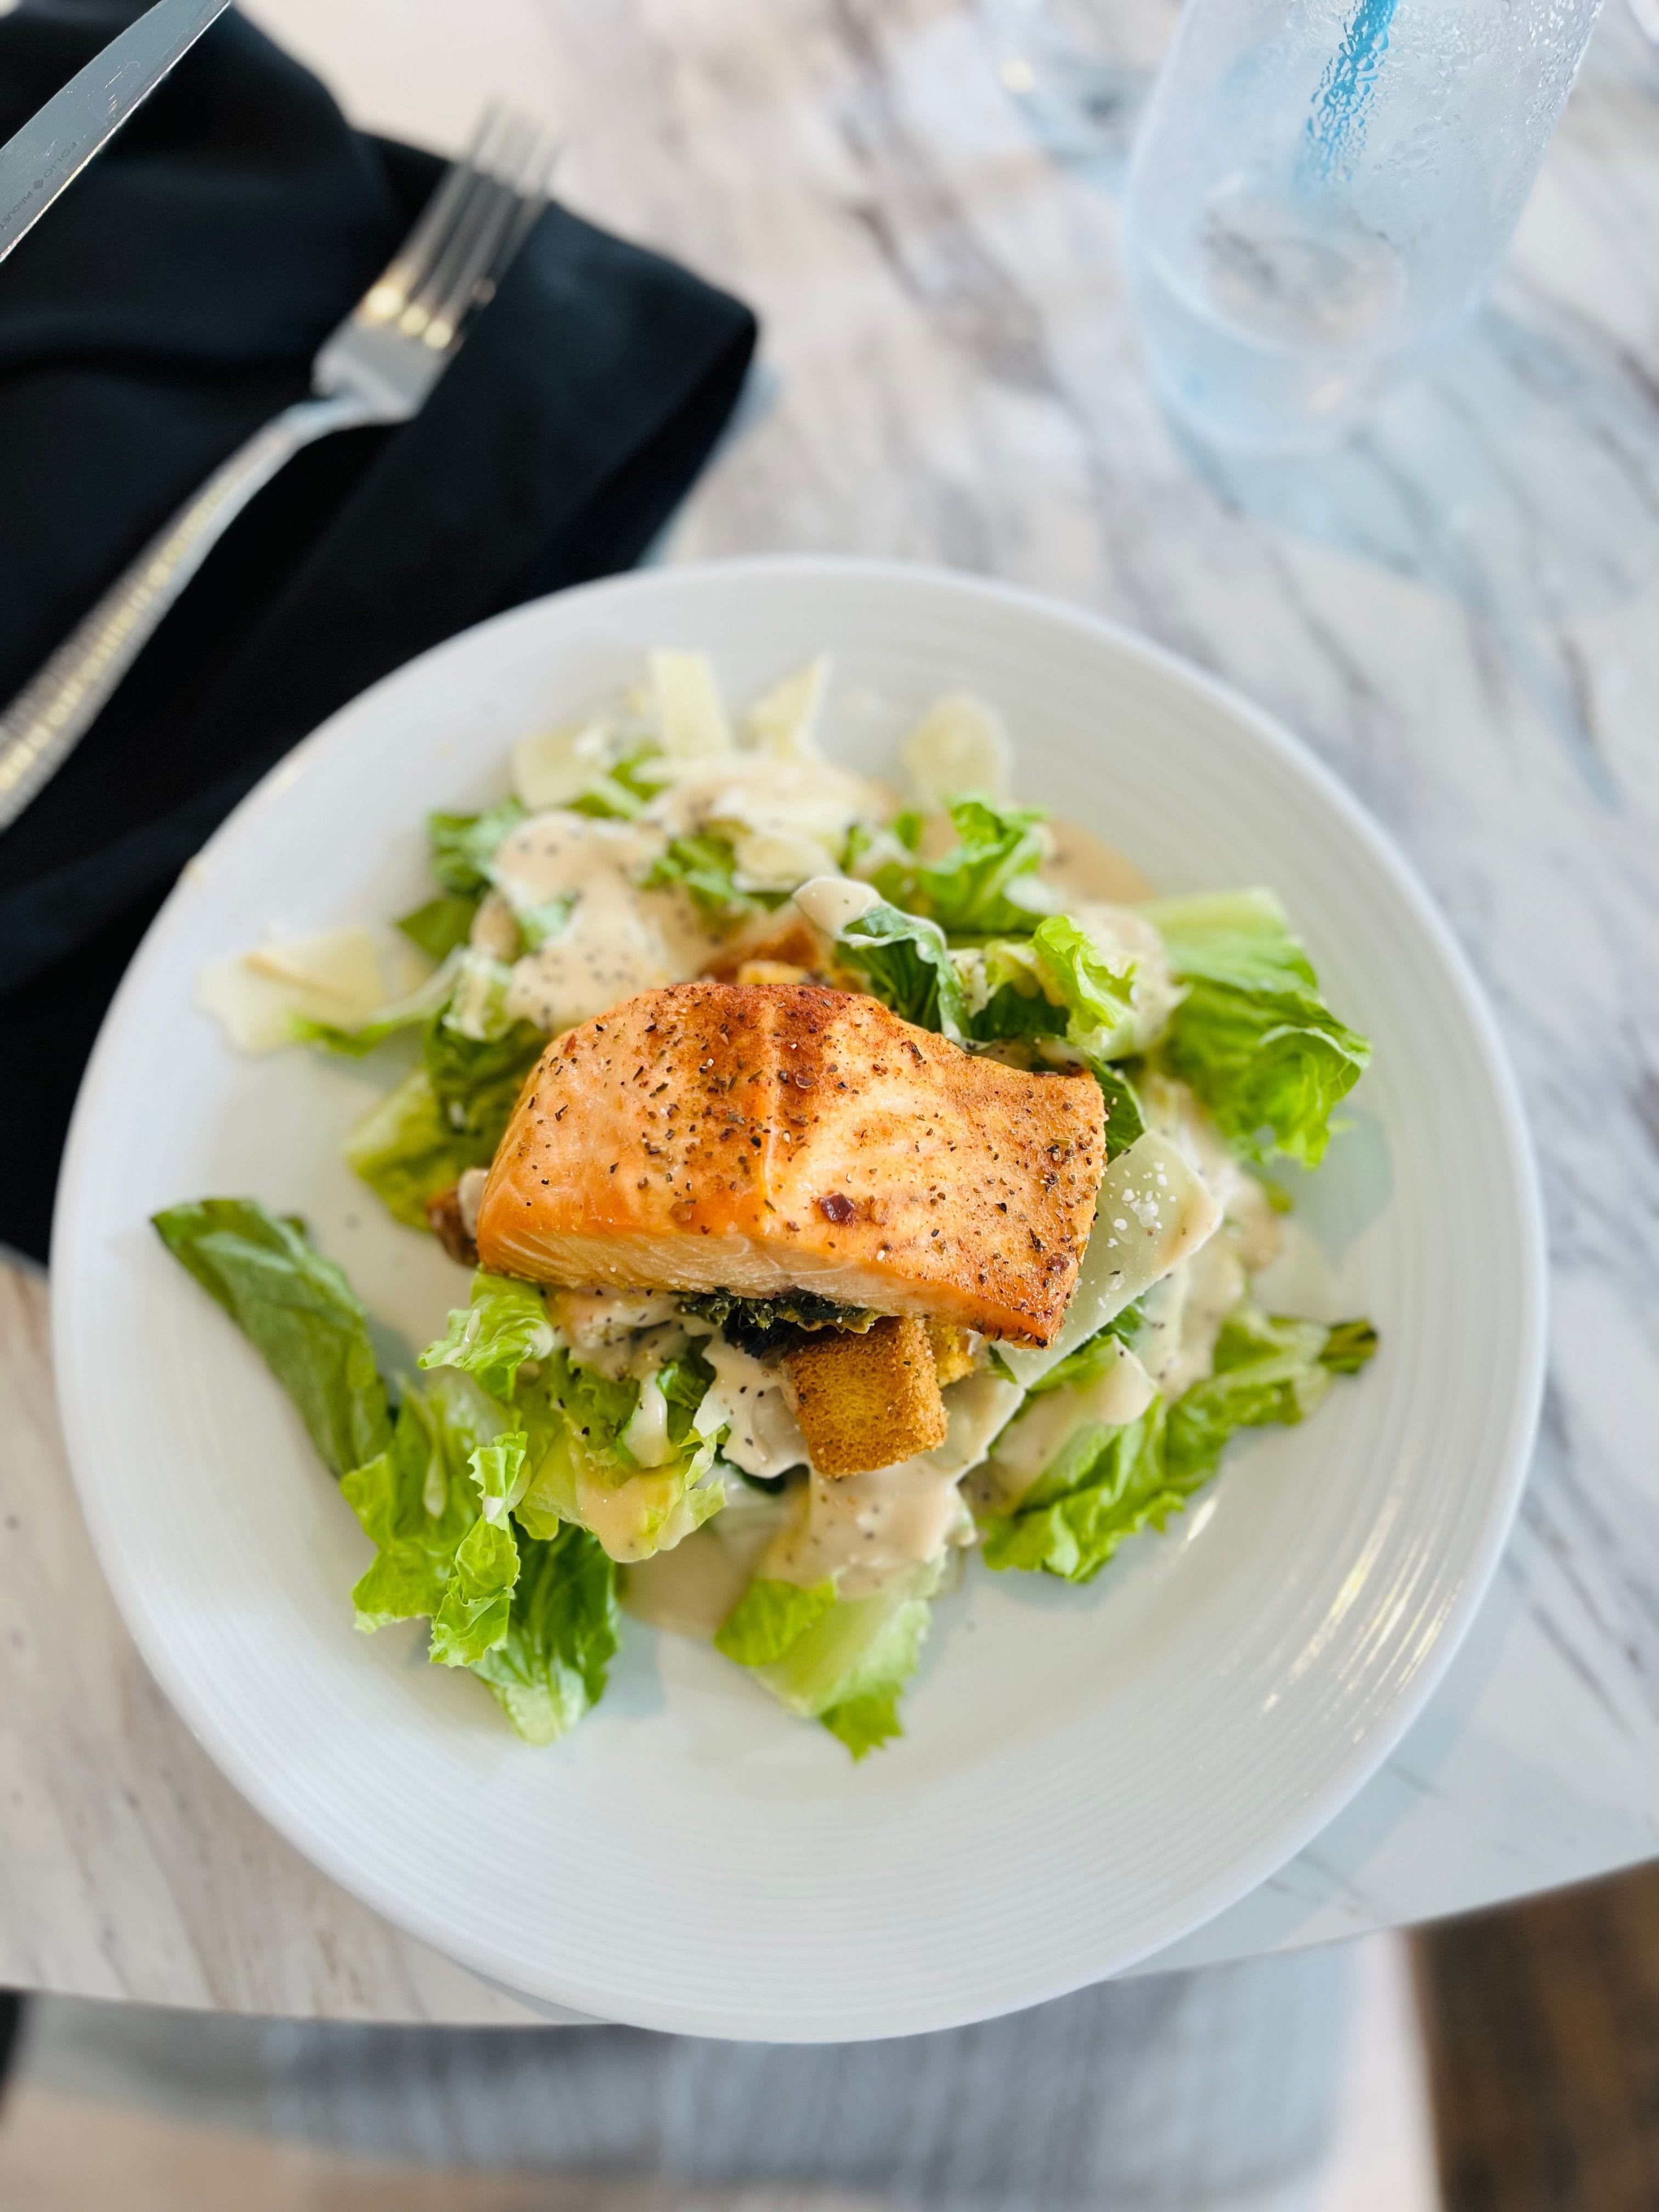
[1460,612]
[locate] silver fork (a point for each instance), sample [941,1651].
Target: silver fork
[378,367]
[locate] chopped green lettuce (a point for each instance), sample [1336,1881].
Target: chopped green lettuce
[706,866]
[562,1633]
[1096,994]
[770,1618]
[841,1661]
[905,962]
[580,1466]
[1105,1484]
[1125,1120]
[417,1500]
[986,885]
[405,1151]
[442,926]
[624,790]
[299,1312]
[433,1492]
[444,1116]
[503,1325]
[463,846]
[1253,1036]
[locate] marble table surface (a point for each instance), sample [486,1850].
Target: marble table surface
[1460,611]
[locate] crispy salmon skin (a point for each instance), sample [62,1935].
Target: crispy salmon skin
[760,1138]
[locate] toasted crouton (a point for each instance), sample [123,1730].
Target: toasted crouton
[787,941]
[953,1351]
[772,971]
[870,1400]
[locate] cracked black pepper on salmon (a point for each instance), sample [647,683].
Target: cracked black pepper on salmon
[759,1138]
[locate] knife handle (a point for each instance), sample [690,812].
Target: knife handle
[50,716]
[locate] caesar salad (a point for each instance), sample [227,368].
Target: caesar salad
[856,1184]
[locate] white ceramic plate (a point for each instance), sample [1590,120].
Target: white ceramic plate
[1087,1774]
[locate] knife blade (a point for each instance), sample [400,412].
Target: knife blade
[53,147]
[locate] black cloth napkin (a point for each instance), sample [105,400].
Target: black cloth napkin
[169,304]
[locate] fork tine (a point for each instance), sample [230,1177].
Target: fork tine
[412,265]
[474,211]
[481,259]
[536,186]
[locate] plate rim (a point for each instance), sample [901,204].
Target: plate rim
[1358,1766]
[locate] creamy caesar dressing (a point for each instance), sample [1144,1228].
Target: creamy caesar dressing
[646,1433]
[749,1398]
[861,1529]
[832,904]
[1184,1316]
[617,940]
[786,813]
[606,1330]
[690,1590]
[977,1409]
[1184,1311]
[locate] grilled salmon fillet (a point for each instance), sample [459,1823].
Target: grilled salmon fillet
[762,1137]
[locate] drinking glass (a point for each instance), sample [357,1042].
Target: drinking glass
[1080,70]
[1321,188]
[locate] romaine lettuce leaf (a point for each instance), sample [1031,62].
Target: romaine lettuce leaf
[770,1618]
[435,1491]
[845,1662]
[444,1116]
[986,885]
[1125,1122]
[1253,1036]
[578,1467]
[406,1152]
[478,1600]
[297,1309]
[904,963]
[1096,994]
[706,866]
[462,845]
[503,1325]
[414,1502]
[562,1633]
[442,926]
[1104,1485]
[417,1500]
[623,791]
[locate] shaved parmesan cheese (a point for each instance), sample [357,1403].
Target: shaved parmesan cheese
[959,745]
[1121,1394]
[785,720]
[338,976]
[556,767]
[691,721]
[777,859]
[978,1408]
[1154,1211]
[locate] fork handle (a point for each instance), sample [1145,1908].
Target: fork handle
[50,716]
